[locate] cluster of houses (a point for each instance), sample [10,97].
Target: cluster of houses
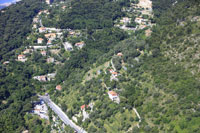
[41,110]
[45,78]
[68,46]
[52,34]
[141,9]
[23,56]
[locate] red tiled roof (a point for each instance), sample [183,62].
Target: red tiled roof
[21,55]
[84,106]
[42,77]
[119,54]
[112,93]
[59,87]
[79,43]
[114,73]
[42,28]
[40,39]
[43,52]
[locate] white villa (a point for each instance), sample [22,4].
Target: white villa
[42,29]
[114,96]
[22,58]
[40,40]
[80,45]
[68,46]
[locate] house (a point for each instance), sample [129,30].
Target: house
[138,20]
[38,47]
[22,58]
[50,60]
[84,106]
[99,72]
[142,26]
[51,76]
[80,45]
[63,7]
[59,34]
[49,42]
[43,78]
[44,53]
[39,40]
[114,73]
[119,54]
[68,46]
[42,29]
[50,36]
[148,32]
[114,96]
[25,131]
[40,12]
[6,62]
[27,51]
[111,70]
[35,20]
[34,26]
[49,1]
[59,87]
[53,30]
[125,20]
[72,33]
[46,11]
[41,110]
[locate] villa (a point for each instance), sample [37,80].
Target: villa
[40,40]
[80,45]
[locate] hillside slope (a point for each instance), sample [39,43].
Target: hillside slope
[161,80]
[119,81]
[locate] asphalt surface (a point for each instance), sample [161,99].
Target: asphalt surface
[62,115]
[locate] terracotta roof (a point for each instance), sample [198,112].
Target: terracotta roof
[21,55]
[43,52]
[59,87]
[40,39]
[50,35]
[71,32]
[42,28]
[84,106]
[114,73]
[112,93]
[79,43]
[42,77]
[119,54]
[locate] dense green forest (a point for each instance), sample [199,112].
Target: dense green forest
[90,14]
[15,24]
[16,90]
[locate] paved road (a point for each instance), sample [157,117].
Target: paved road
[113,66]
[62,115]
[41,25]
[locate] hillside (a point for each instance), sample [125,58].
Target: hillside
[112,66]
